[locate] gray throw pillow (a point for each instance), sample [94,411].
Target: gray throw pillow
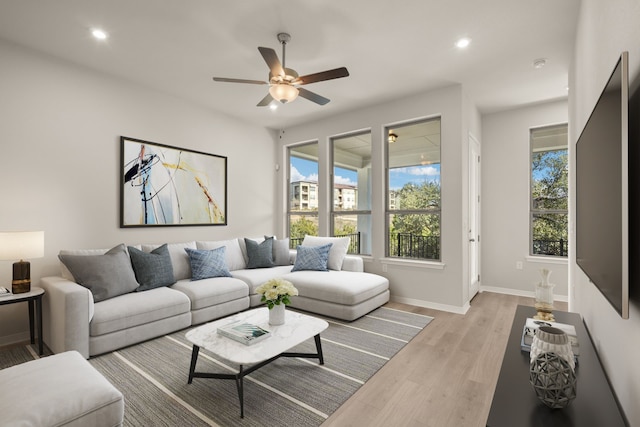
[106,276]
[312,258]
[153,269]
[281,254]
[260,254]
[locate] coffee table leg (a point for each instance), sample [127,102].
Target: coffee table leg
[240,386]
[319,349]
[194,359]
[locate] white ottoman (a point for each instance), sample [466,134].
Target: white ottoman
[59,390]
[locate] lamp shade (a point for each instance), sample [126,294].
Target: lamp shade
[16,245]
[283,92]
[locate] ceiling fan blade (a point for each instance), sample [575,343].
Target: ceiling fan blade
[312,96]
[271,58]
[322,76]
[265,101]
[253,82]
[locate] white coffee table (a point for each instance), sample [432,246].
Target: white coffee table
[297,328]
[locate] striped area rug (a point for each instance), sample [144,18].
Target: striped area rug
[288,392]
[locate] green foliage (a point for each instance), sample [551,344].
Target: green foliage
[302,227]
[425,196]
[549,192]
[344,229]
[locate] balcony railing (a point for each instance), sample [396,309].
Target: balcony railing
[551,247]
[354,244]
[407,245]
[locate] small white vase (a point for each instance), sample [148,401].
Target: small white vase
[552,340]
[276,315]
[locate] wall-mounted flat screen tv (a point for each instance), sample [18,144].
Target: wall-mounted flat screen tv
[602,192]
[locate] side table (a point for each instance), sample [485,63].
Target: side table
[33,297]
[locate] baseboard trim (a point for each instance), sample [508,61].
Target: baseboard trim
[432,305]
[518,293]
[18,338]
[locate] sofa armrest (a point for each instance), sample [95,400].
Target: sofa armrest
[66,311]
[353,263]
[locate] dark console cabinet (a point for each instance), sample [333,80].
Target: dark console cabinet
[515,403]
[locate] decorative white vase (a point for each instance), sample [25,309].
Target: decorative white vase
[276,315]
[552,340]
[544,297]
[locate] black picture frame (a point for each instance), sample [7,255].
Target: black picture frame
[162,185]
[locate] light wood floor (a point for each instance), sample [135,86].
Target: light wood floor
[445,376]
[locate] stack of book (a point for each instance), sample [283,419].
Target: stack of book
[532,325]
[246,333]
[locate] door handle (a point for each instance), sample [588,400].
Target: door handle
[472,240]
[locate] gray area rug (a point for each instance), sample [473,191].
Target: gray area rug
[288,392]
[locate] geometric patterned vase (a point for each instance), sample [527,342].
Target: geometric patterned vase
[549,339]
[553,380]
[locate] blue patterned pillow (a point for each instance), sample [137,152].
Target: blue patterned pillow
[207,263]
[312,258]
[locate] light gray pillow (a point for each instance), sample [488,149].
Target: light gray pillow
[260,254]
[153,269]
[106,276]
[281,254]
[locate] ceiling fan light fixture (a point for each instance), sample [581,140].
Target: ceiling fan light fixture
[283,92]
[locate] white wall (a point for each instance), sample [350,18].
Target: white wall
[505,201]
[60,151]
[605,29]
[411,282]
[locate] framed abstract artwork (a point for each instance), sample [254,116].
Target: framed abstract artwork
[170,186]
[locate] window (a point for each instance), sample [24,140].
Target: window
[413,190]
[549,191]
[302,211]
[351,181]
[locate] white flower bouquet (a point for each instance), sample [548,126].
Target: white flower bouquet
[276,292]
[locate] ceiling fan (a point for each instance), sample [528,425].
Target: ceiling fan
[284,83]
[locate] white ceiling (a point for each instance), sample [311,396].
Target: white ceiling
[391,49]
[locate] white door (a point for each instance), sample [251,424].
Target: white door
[474,217]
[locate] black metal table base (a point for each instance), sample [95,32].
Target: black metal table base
[239,376]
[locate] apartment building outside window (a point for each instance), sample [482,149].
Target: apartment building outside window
[351,182]
[549,191]
[302,212]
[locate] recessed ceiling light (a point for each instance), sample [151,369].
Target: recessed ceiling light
[463,42]
[99,34]
[539,63]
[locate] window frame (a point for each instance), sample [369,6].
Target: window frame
[387,199]
[533,212]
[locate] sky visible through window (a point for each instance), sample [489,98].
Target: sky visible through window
[307,170]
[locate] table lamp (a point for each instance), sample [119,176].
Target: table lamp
[21,245]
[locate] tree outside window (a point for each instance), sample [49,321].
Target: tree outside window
[549,191]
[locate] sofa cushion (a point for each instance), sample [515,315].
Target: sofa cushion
[338,250]
[260,254]
[312,258]
[106,276]
[153,269]
[243,246]
[207,263]
[257,276]
[339,287]
[179,258]
[232,254]
[213,291]
[137,308]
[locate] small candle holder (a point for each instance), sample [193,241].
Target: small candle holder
[544,297]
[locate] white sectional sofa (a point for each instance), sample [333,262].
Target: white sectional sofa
[73,320]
